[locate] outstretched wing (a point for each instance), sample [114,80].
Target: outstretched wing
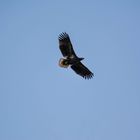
[65,45]
[83,71]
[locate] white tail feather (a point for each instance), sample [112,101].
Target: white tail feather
[61,63]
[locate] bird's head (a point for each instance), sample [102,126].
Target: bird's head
[81,58]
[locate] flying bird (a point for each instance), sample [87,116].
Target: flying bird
[70,58]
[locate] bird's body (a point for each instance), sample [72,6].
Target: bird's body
[70,58]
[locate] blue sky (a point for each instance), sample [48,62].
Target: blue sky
[41,101]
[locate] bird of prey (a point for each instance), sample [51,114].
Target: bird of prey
[70,58]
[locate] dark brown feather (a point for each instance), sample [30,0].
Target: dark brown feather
[83,71]
[65,45]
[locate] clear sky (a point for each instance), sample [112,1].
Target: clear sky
[41,101]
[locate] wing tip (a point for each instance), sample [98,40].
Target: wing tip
[89,76]
[63,35]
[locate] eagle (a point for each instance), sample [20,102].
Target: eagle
[70,57]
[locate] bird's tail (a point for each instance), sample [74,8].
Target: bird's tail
[63,63]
